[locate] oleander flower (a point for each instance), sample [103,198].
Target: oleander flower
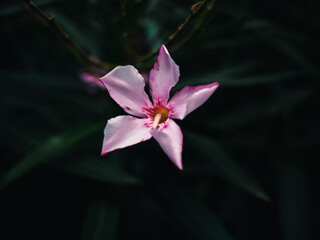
[152,119]
[91,77]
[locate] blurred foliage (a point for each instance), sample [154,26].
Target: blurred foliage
[251,153]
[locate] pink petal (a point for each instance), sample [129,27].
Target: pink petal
[91,79]
[124,131]
[189,98]
[126,87]
[88,78]
[163,76]
[170,139]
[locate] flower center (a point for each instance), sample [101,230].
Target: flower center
[160,116]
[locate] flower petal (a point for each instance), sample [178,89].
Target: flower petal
[163,76]
[124,131]
[91,80]
[170,139]
[189,98]
[126,87]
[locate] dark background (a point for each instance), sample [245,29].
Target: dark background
[251,152]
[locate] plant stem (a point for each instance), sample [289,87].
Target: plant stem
[126,33]
[196,10]
[49,21]
[182,42]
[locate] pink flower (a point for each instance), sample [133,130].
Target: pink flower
[126,87]
[91,76]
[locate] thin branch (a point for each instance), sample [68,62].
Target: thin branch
[195,11]
[124,19]
[128,45]
[49,21]
[210,8]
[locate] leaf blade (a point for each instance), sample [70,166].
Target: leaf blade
[49,149]
[226,166]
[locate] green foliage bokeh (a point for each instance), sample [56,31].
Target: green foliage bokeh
[251,152]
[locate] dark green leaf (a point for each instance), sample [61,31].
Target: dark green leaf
[101,221]
[8,11]
[263,79]
[293,207]
[49,149]
[233,77]
[98,169]
[81,37]
[251,112]
[225,165]
[222,74]
[292,52]
[194,214]
[31,80]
